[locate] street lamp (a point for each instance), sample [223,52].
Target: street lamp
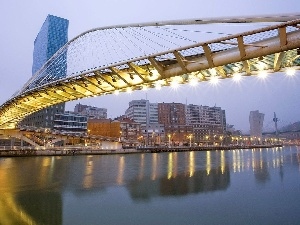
[221,140]
[169,136]
[190,137]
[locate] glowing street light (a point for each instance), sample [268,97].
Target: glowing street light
[214,80]
[190,137]
[193,82]
[174,84]
[236,77]
[290,72]
[157,86]
[145,88]
[169,136]
[129,90]
[262,74]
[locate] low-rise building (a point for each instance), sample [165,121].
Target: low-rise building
[70,122]
[131,133]
[104,127]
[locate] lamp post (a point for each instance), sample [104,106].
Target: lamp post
[190,137]
[206,137]
[221,140]
[120,136]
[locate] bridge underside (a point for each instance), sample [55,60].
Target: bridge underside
[271,54]
[48,139]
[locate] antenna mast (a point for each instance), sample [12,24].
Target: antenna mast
[275,119]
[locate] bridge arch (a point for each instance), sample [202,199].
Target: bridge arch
[149,62]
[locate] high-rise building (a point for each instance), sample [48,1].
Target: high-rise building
[209,123]
[256,120]
[171,113]
[146,113]
[142,111]
[172,116]
[52,36]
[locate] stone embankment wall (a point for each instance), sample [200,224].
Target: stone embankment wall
[22,152]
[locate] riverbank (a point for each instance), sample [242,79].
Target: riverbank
[72,151]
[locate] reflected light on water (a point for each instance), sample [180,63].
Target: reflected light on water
[208,162]
[9,206]
[121,167]
[184,177]
[142,167]
[170,165]
[237,160]
[242,159]
[253,159]
[88,174]
[154,166]
[192,163]
[175,164]
[43,180]
[223,161]
[260,160]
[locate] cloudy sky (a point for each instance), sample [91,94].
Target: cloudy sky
[20,21]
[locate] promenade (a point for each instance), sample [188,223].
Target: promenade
[72,151]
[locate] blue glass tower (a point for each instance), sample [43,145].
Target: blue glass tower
[52,36]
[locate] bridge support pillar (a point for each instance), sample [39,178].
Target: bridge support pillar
[12,142]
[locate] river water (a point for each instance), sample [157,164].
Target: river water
[259,186]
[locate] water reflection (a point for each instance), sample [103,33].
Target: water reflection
[32,189]
[182,184]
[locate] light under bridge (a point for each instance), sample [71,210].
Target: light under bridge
[139,56]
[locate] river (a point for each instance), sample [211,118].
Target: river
[249,186]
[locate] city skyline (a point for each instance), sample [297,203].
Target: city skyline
[277,93]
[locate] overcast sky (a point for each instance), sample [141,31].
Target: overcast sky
[20,21]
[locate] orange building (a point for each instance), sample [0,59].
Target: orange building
[104,127]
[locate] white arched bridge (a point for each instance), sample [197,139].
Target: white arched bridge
[138,56]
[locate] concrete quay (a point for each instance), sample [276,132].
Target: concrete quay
[202,148]
[73,151]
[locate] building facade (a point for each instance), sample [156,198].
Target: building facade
[91,111]
[173,117]
[209,123]
[51,37]
[177,123]
[131,133]
[171,113]
[256,120]
[70,122]
[142,111]
[104,127]
[146,114]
